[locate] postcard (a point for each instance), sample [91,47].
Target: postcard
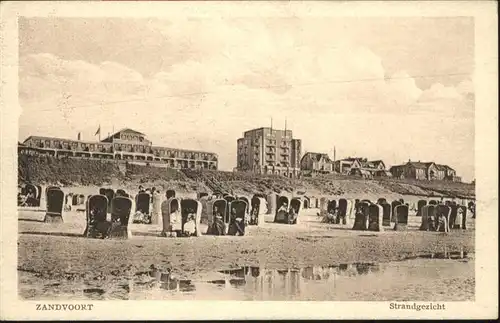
[234,160]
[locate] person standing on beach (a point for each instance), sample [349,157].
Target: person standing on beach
[292,216]
[442,225]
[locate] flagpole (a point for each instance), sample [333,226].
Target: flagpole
[102,106]
[98,132]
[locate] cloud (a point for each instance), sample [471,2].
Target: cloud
[403,88]
[45,76]
[449,101]
[438,92]
[336,95]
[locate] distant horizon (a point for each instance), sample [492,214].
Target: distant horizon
[199,84]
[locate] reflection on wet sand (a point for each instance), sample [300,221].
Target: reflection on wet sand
[331,282]
[260,283]
[271,282]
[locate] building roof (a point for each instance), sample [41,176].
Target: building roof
[351,159]
[123,130]
[372,164]
[288,131]
[444,167]
[325,156]
[317,156]
[440,167]
[64,139]
[129,130]
[421,165]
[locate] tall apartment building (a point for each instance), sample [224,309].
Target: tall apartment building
[269,151]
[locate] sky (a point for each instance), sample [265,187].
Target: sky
[395,89]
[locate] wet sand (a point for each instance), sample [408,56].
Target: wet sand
[58,251]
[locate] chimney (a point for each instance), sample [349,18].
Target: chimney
[79,136]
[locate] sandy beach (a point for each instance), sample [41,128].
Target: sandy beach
[59,253]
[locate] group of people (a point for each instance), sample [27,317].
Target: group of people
[436,222]
[26,197]
[142,215]
[151,191]
[439,222]
[286,215]
[219,227]
[26,200]
[333,216]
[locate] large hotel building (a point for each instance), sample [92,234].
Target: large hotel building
[269,151]
[126,144]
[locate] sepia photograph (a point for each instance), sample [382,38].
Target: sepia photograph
[279,157]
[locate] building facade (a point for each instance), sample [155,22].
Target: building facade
[424,171]
[126,144]
[362,167]
[346,165]
[316,163]
[269,151]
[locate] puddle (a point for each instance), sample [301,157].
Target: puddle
[445,276]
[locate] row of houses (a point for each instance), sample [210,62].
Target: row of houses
[425,171]
[320,163]
[261,151]
[268,150]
